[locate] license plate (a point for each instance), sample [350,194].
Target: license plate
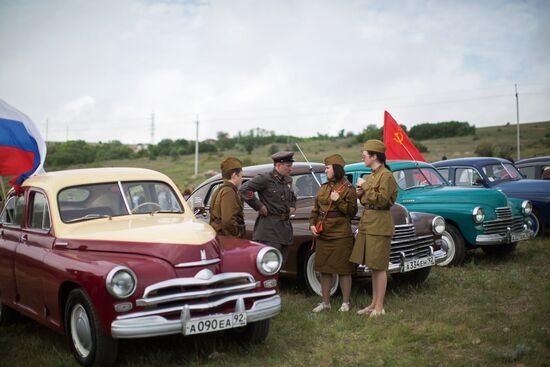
[209,324]
[520,236]
[418,263]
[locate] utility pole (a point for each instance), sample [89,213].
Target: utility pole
[67,132]
[197,148]
[517,116]
[153,128]
[46,130]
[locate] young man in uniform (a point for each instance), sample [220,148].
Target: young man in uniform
[275,203]
[226,210]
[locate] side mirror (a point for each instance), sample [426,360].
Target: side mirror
[198,207]
[481,182]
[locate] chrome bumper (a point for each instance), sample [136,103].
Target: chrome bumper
[148,326]
[439,256]
[501,238]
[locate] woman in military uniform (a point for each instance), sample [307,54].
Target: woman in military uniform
[373,244]
[335,205]
[226,208]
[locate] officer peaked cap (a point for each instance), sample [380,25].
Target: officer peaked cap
[282,157]
[335,159]
[374,145]
[231,163]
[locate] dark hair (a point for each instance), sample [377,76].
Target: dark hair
[228,173]
[339,172]
[380,156]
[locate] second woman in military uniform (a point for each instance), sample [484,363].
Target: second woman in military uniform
[373,244]
[335,205]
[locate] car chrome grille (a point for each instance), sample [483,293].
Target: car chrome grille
[407,242]
[203,294]
[501,225]
[504,212]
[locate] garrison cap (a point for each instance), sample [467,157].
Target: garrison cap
[283,157]
[231,163]
[374,145]
[335,159]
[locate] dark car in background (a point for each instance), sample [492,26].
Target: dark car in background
[501,174]
[536,168]
[416,244]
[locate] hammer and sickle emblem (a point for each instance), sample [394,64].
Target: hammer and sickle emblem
[398,137]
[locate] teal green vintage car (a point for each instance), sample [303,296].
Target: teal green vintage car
[475,217]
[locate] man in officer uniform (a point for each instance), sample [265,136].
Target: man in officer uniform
[275,203]
[226,210]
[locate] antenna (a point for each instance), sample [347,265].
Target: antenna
[310,167]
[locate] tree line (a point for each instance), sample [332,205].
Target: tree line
[64,154]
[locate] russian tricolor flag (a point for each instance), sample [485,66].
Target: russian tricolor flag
[22,149]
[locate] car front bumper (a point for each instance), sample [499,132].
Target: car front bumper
[148,326]
[504,238]
[439,256]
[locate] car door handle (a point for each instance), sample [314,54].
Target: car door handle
[24,237]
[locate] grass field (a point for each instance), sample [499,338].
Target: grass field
[490,312]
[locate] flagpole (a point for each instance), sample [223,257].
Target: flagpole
[3,189]
[517,117]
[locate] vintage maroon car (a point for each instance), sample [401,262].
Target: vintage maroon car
[416,244]
[112,253]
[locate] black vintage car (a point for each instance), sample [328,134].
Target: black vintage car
[416,244]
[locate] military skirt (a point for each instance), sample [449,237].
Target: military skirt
[332,256]
[372,251]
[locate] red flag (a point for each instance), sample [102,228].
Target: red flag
[398,144]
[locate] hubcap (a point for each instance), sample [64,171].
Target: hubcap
[449,247]
[535,225]
[314,278]
[81,331]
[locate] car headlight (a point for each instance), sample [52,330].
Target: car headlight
[269,261]
[478,214]
[526,207]
[121,282]
[438,225]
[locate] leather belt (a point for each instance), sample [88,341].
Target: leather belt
[374,207]
[332,214]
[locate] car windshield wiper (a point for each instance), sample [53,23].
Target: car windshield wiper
[416,187]
[167,211]
[90,217]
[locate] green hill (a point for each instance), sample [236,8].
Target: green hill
[535,141]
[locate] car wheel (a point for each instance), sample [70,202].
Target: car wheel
[7,315]
[537,224]
[90,345]
[414,277]
[500,250]
[312,278]
[253,333]
[454,244]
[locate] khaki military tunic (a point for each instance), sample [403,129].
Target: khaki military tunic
[275,192]
[373,243]
[334,245]
[226,211]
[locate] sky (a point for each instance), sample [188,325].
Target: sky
[105,70]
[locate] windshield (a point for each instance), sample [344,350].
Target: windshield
[418,177]
[501,171]
[305,185]
[106,200]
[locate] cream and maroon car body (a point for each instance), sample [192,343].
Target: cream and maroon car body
[112,253]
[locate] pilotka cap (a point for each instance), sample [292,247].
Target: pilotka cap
[283,157]
[231,163]
[374,145]
[335,159]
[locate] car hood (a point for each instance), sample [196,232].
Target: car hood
[451,194]
[159,228]
[525,186]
